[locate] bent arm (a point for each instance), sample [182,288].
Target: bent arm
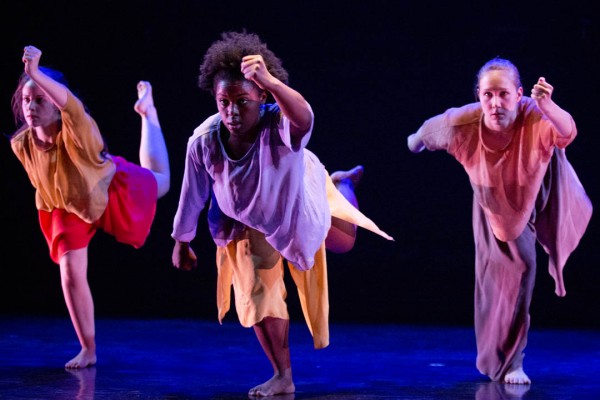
[291,102]
[294,107]
[56,92]
[561,119]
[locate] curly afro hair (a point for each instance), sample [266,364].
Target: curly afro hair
[223,59]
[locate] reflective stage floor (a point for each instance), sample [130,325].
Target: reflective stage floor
[195,359]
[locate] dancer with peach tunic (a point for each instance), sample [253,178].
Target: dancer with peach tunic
[524,190]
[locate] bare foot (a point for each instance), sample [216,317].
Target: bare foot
[279,384]
[85,358]
[355,175]
[517,376]
[145,99]
[515,390]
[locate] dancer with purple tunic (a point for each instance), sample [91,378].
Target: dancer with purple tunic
[269,199]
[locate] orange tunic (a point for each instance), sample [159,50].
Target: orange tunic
[74,174]
[80,187]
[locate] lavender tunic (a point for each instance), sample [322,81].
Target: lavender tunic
[275,188]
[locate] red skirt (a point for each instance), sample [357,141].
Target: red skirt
[129,214]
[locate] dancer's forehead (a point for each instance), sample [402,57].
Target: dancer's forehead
[236,87]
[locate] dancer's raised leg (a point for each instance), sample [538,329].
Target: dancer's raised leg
[153,149]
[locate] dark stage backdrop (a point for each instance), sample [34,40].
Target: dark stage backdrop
[372,72]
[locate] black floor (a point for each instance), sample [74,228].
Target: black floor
[191,359]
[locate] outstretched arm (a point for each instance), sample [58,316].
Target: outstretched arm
[415,142]
[56,92]
[292,104]
[562,120]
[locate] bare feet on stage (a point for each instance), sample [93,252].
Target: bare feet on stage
[517,376]
[85,358]
[277,385]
